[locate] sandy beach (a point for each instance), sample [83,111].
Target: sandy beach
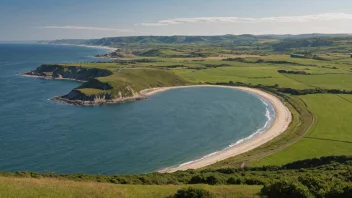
[282,120]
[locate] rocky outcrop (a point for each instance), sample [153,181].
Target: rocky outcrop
[76,97]
[68,72]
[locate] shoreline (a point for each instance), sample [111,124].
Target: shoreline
[281,122]
[49,78]
[98,102]
[90,46]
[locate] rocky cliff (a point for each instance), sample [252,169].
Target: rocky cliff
[68,72]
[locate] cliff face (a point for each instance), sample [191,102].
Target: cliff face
[71,72]
[77,95]
[95,89]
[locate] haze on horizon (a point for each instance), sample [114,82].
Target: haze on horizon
[74,19]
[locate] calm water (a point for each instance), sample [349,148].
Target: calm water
[168,129]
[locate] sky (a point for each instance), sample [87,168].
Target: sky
[85,19]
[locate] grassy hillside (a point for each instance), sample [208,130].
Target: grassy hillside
[106,81]
[136,79]
[54,188]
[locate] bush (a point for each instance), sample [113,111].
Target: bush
[197,179]
[233,180]
[316,185]
[213,180]
[193,193]
[339,191]
[286,189]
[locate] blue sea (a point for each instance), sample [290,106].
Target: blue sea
[166,130]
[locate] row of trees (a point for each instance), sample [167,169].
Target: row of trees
[293,72]
[243,60]
[312,91]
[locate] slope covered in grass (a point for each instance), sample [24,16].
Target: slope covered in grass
[55,188]
[129,82]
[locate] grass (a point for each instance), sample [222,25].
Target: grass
[128,82]
[248,71]
[254,75]
[90,91]
[328,81]
[54,188]
[329,135]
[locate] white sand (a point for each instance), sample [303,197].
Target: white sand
[282,120]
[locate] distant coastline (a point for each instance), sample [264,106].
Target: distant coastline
[49,78]
[90,46]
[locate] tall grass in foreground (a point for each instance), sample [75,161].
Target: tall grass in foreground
[55,188]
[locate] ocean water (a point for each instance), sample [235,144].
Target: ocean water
[166,130]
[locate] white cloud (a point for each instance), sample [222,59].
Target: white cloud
[87,28]
[283,19]
[152,24]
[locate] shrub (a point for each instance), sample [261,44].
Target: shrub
[193,193]
[339,191]
[285,189]
[213,180]
[234,180]
[253,181]
[316,185]
[197,179]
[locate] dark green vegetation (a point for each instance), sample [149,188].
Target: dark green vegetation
[319,177]
[311,74]
[193,193]
[71,72]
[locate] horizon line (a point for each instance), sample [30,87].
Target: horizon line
[349,34]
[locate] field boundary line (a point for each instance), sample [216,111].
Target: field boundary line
[344,98]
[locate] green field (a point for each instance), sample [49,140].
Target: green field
[330,134]
[252,74]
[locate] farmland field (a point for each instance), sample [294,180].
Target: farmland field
[330,133]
